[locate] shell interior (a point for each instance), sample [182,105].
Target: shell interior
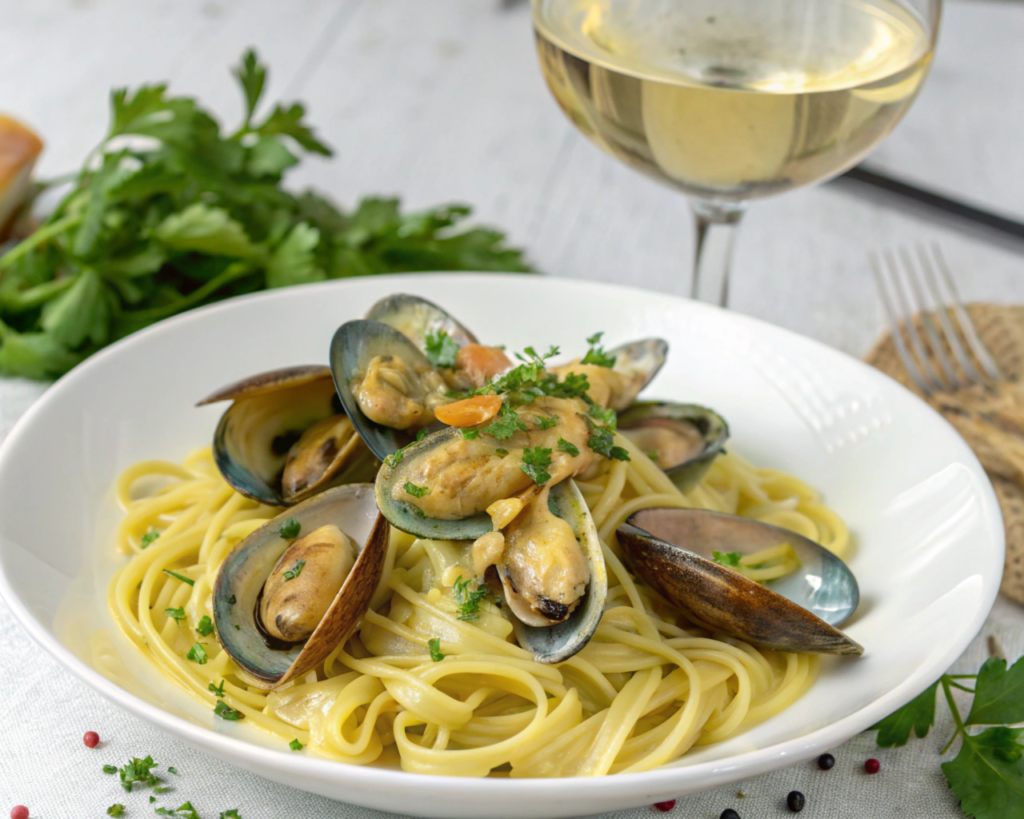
[712,428]
[559,642]
[242,575]
[416,318]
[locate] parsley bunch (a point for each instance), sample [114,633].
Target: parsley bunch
[988,772]
[169,213]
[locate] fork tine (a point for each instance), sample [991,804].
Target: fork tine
[964,320]
[912,275]
[916,342]
[892,313]
[949,330]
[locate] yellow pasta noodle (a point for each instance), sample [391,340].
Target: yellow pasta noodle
[648,687]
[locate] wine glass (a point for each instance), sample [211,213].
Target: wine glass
[730,100]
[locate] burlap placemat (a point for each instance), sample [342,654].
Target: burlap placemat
[991,420]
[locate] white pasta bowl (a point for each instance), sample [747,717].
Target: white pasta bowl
[928,533]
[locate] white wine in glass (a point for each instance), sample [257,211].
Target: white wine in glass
[729,100]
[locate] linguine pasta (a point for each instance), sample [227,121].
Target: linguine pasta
[648,687]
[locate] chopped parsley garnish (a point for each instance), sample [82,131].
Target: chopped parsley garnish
[435,649]
[602,442]
[110,769]
[224,711]
[197,653]
[148,538]
[185,811]
[567,447]
[653,455]
[546,421]
[216,689]
[205,626]
[395,458]
[470,434]
[295,570]
[115,810]
[295,745]
[507,424]
[172,770]
[416,491]
[290,529]
[727,558]
[423,433]
[535,463]
[137,770]
[468,600]
[596,354]
[178,615]
[501,452]
[180,577]
[231,814]
[162,789]
[608,417]
[440,349]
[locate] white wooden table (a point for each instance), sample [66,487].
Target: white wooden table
[441,100]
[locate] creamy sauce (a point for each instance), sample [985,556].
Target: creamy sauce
[674,442]
[544,564]
[396,395]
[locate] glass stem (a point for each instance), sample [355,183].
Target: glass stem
[716,227]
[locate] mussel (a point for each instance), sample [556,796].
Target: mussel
[298,586]
[554,630]
[284,438]
[416,318]
[548,555]
[672,550]
[682,439]
[387,386]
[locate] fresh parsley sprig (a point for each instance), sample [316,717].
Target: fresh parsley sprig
[193,214]
[294,571]
[987,774]
[727,558]
[535,464]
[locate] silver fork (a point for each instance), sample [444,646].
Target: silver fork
[904,278]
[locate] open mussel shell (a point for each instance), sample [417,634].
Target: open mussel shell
[402,514]
[560,641]
[671,550]
[268,663]
[686,437]
[639,361]
[354,346]
[268,414]
[416,318]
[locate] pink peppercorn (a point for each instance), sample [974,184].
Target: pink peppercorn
[665,807]
[19,812]
[872,766]
[91,739]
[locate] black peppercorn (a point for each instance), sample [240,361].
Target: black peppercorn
[729,813]
[826,761]
[795,801]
